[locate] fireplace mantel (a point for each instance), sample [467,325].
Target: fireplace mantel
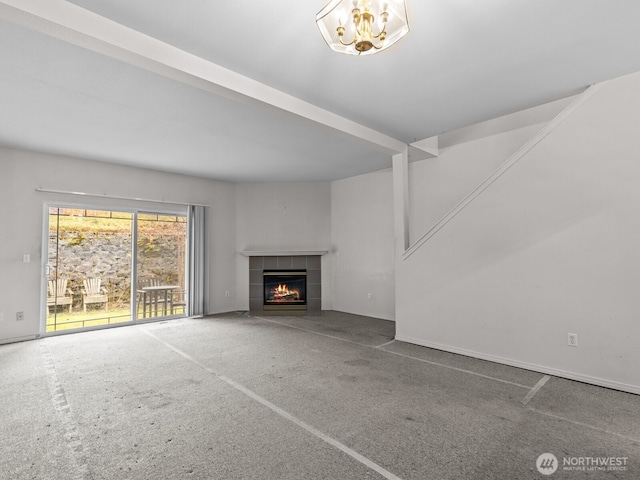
[282,253]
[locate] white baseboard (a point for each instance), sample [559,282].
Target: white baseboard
[18,339]
[601,382]
[360,314]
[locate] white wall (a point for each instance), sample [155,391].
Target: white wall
[436,185]
[281,217]
[22,230]
[550,248]
[363,244]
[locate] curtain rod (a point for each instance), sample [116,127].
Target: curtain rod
[115,197]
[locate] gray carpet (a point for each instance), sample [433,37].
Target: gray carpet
[320,397]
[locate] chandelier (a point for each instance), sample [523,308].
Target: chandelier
[362,27]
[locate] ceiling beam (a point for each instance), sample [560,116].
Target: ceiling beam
[423,149]
[83,28]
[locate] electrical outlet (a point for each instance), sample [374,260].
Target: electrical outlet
[572,339]
[369,296]
[19,316]
[227,293]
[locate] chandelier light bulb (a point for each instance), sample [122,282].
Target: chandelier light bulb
[373,25]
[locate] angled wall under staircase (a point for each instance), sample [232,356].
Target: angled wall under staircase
[544,247]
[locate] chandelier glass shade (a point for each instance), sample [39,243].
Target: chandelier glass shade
[362,27]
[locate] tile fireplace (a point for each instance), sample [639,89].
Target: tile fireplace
[285,283]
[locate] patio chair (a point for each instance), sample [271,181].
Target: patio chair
[94,292]
[59,294]
[144,300]
[148,282]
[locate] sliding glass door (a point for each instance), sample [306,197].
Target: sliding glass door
[107,267]
[160,265]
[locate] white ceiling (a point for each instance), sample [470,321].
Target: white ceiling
[283,106]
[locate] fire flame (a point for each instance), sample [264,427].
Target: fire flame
[282,292]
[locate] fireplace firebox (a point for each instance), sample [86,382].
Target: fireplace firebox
[285,289]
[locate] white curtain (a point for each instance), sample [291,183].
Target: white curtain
[198,272]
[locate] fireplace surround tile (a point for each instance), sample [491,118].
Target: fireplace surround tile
[314,305]
[255,305]
[313,262]
[313,291]
[299,262]
[255,276]
[256,263]
[285,262]
[255,291]
[314,276]
[270,263]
